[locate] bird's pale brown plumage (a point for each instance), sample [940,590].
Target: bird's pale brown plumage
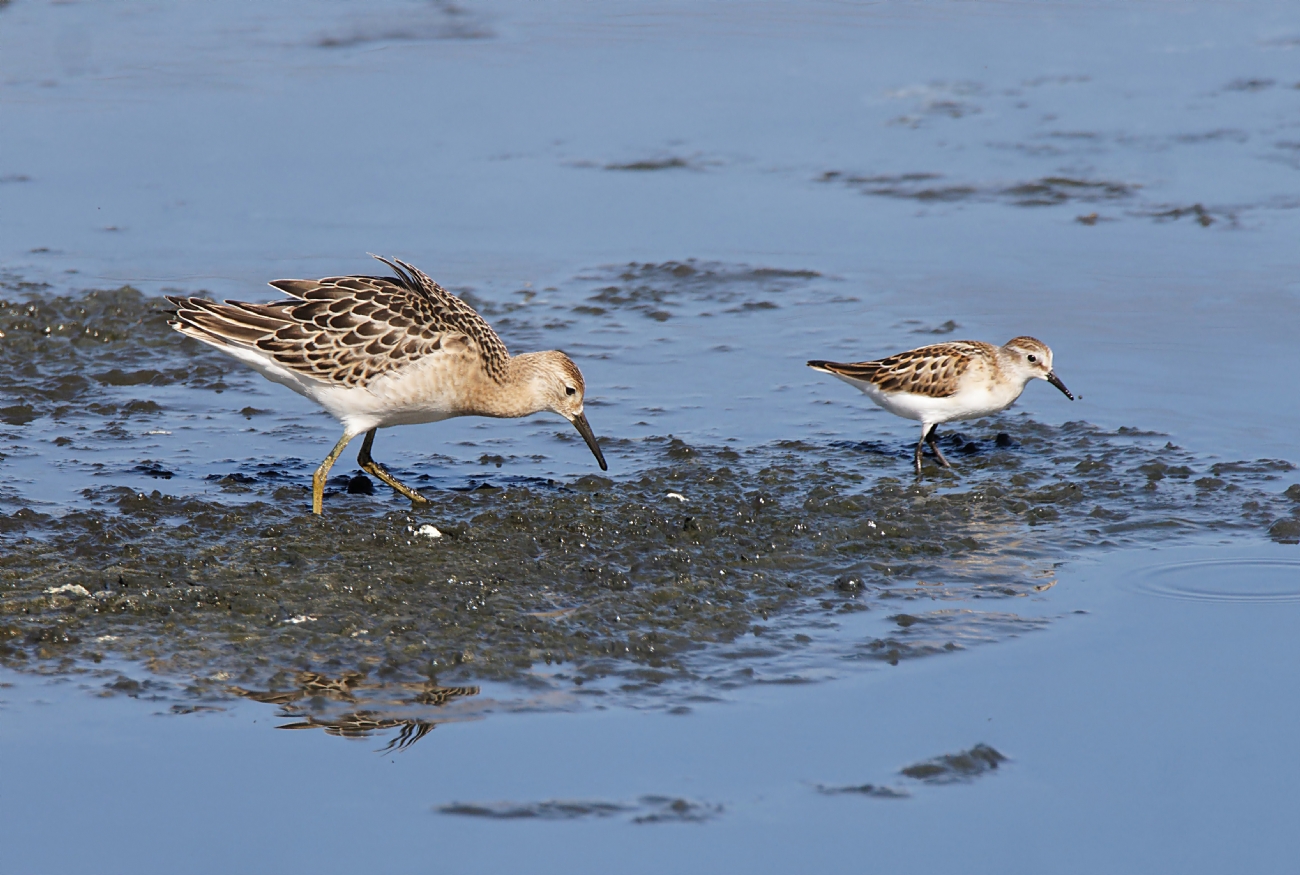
[351,329]
[958,379]
[934,370]
[383,351]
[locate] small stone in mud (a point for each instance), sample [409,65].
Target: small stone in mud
[360,485]
[850,584]
[679,449]
[1004,440]
[126,685]
[1285,531]
[1293,492]
[150,469]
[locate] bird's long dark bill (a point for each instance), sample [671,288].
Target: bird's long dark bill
[584,429]
[1055,381]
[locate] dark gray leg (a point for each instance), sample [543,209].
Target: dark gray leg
[929,439]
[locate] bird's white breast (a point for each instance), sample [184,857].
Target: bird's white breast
[975,398]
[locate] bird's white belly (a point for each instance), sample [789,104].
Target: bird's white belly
[970,402]
[433,390]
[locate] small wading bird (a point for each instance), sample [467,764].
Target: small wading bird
[961,379]
[382,351]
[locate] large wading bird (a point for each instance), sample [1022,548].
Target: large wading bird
[383,351]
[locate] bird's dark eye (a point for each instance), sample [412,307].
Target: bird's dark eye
[569,390]
[1032,358]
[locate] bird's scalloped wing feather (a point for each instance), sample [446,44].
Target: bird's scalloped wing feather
[348,330]
[933,371]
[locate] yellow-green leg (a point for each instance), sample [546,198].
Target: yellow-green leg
[318,479]
[371,466]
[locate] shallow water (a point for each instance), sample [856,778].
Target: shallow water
[1163,724]
[692,200]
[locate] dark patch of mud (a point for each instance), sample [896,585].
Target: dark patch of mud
[438,20]
[1198,213]
[615,585]
[65,356]
[661,291]
[650,164]
[1217,135]
[956,768]
[931,188]
[916,327]
[874,791]
[1250,85]
[552,809]
[647,809]
[1051,191]
[953,768]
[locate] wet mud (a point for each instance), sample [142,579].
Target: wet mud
[698,568]
[1043,192]
[438,20]
[647,809]
[596,578]
[956,767]
[648,164]
[875,791]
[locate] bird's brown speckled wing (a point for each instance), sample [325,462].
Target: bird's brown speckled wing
[930,370]
[351,329]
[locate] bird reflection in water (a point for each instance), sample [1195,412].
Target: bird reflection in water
[309,703]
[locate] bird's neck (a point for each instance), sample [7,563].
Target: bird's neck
[515,395]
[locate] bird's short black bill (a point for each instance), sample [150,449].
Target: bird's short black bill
[584,429]
[1056,381]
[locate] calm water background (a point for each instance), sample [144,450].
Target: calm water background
[1118,179]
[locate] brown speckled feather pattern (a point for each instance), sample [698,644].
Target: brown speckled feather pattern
[933,370]
[349,330]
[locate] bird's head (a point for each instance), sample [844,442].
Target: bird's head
[559,387]
[1031,359]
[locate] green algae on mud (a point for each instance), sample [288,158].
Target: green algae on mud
[705,565]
